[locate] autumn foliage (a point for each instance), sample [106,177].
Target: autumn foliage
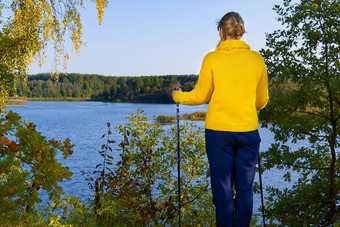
[28,165]
[32,25]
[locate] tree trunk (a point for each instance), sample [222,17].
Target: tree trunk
[331,195]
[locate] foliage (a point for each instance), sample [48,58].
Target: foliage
[305,55]
[28,164]
[29,26]
[151,89]
[142,186]
[78,214]
[139,189]
[35,218]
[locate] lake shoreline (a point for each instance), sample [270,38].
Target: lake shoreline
[71,99]
[63,99]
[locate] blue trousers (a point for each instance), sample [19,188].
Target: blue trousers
[232,158]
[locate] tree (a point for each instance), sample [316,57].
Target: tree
[305,57]
[25,34]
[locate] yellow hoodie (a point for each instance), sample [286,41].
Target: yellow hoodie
[234,78]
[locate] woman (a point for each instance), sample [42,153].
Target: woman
[234,78]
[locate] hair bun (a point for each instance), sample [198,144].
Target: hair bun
[232,25]
[240,29]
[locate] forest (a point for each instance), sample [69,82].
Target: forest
[138,89]
[143,89]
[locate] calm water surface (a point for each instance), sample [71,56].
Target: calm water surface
[85,122]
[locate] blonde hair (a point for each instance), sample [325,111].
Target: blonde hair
[232,25]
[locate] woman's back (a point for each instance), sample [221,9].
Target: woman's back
[234,78]
[236,73]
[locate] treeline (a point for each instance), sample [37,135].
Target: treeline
[142,89]
[146,89]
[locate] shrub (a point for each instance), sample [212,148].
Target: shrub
[142,187]
[27,165]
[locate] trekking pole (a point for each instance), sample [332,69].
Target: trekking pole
[263,217]
[178,164]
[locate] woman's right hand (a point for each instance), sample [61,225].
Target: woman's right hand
[174,92]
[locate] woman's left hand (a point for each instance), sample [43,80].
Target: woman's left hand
[174,92]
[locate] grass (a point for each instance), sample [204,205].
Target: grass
[165,119]
[15,100]
[37,218]
[196,116]
[61,99]
[81,215]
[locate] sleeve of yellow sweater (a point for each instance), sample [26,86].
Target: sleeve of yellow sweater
[262,96]
[202,90]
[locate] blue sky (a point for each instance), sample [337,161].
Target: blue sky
[158,37]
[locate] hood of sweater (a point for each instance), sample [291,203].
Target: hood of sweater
[232,45]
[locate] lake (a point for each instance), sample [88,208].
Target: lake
[85,122]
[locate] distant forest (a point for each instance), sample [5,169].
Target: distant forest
[144,89]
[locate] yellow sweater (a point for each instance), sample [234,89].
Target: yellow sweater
[234,78]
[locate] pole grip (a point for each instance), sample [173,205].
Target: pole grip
[177,87]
